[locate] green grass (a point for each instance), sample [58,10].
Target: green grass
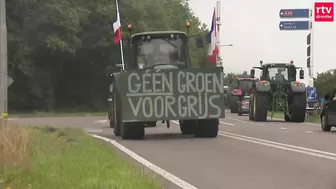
[70,159]
[56,114]
[309,118]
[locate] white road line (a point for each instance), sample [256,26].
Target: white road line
[310,132]
[93,130]
[248,122]
[176,122]
[172,178]
[282,128]
[102,121]
[313,152]
[222,122]
[226,123]
[313,124]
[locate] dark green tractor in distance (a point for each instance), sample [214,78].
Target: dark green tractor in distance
[278,88]
[159,84]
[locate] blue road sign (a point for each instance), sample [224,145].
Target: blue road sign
[294,25]
[294,13]
[311,94]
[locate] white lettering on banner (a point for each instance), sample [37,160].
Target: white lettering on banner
[189,94]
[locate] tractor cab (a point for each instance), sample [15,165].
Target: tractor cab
[160,49]
[278,73]
[166,49]
[244,86]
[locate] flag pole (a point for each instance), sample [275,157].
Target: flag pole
[121,43]
[218,19]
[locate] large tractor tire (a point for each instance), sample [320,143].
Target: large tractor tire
[206,128]
[251,107]
[127,130]
[260,106]
[115,113]
[298,107]
[187,126]
[324,124]
[132,130]
[234,104]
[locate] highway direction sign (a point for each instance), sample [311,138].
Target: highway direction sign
[311,94]
[294,25]
[294,13]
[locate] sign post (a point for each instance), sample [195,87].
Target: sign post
[294,13]
[311,94]
[294,25]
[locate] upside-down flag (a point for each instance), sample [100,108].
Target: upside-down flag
[212,41]
[117,26]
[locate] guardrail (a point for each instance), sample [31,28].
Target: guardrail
[313,111]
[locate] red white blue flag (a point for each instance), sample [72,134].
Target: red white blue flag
[117,26]
[212,41]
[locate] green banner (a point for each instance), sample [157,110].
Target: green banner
[176,94]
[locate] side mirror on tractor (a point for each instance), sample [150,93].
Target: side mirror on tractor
[252,73]
[301,74]
[199,42]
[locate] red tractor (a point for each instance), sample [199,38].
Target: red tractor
[239,100]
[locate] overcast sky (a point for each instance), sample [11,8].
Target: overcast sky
[253,28]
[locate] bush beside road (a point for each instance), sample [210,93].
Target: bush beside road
[46,157]
[58,114]
[309,118]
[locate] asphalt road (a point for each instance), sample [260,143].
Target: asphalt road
[246,155]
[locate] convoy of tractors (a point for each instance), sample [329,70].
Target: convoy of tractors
[158,84]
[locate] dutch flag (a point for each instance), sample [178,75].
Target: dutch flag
[117,26]
[212,40]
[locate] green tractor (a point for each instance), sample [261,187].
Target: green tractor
[278,89]
[158,84]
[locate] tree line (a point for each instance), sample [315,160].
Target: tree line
[60,53]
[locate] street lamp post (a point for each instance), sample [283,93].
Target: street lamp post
[3,58]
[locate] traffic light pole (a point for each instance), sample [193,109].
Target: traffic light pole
[3,58]
[310,50]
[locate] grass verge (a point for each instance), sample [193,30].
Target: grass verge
[309,118]
[56,114]
[45,157]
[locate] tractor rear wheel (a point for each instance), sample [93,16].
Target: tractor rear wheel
[234,104]
[260,106]
[132,130]
[206,128]
[187,126]
[251,107]
[298,107]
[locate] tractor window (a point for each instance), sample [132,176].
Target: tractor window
[160,51]
[277,73]
[245,86]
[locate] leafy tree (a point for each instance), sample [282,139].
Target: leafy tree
[60,52]
[325,82]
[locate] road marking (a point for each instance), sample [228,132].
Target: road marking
[311,132]
[93,130]
[231,124]
[282,128]
[312,124]
[226,123]
[172,178]
[298,149]
[176,122]
[252,123]
[102,121]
